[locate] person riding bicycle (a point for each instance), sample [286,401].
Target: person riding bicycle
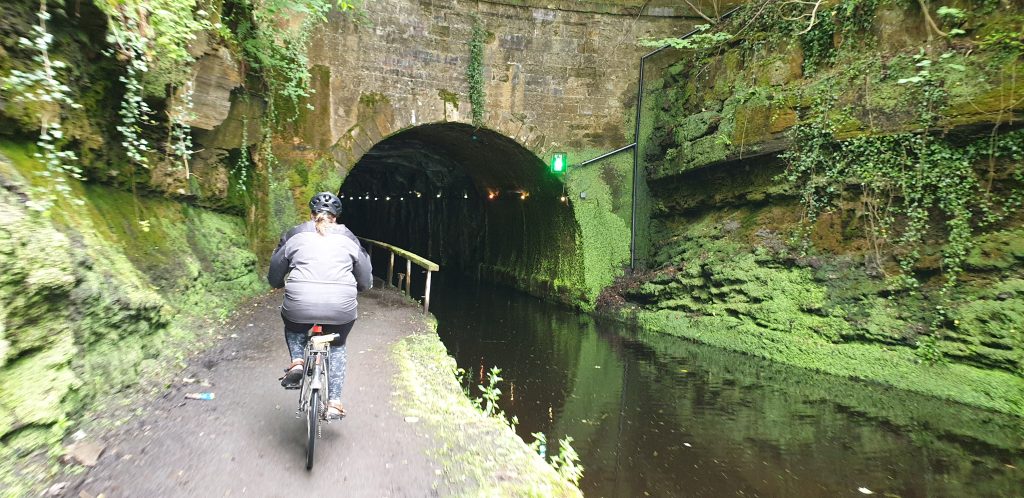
[325,267]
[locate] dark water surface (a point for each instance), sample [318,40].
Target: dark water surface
[653,415]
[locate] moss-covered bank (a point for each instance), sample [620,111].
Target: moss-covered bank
[94,296]
[844,196]
[481,456]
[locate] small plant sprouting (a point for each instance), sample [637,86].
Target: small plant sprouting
[488,403]
[928,350]
[491,393]
[566,462]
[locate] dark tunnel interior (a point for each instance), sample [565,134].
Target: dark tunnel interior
[472,200]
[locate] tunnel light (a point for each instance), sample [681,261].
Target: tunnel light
[418,195]
[388,198]
[559,163]
[401,198]
[439,195]
[523,195]
[376,198]
[465,195]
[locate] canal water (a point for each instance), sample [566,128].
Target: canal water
[653,415]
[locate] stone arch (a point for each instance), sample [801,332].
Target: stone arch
[474,200]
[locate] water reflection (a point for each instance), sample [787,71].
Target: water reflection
[658,416]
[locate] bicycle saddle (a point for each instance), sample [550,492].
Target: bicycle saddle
[322,339]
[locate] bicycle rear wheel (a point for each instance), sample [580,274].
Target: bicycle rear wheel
[312,426]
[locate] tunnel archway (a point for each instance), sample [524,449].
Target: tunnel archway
[472,200]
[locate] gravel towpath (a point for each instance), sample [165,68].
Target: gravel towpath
[248,442]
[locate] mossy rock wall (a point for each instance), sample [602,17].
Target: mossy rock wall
[226,118]
[860,61]
[93,295]
[734,258]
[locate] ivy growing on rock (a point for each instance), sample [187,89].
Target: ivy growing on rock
[902,180]
[42,87]
[475,72]
[179,141]
[277,51]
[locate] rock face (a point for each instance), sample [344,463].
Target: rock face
[215,75]
[87,308]
[737,156]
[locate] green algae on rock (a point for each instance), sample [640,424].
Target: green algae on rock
[91,293]
[485,457]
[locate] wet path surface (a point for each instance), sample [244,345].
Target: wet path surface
[247,441]
[653,415]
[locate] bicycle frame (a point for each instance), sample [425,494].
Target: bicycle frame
[318,364]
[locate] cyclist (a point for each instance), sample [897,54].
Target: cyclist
[325,267]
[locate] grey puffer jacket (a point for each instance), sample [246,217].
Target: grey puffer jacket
[324,273]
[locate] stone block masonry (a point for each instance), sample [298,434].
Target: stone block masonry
[553,78]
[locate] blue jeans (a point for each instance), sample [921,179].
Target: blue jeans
[295,336]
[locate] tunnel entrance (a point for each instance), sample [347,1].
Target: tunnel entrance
[470,199]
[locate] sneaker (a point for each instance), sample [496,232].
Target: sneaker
[293,375]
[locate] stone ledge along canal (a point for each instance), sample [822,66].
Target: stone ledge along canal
[654,415]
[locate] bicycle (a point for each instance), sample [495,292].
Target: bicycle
[313,391]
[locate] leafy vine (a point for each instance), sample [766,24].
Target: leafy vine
[41,86]
[901,180]
[179,141]
[474,72]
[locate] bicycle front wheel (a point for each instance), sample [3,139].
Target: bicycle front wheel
[312,426]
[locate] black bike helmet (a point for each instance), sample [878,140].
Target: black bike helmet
[325,202]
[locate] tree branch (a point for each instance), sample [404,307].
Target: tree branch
[928,18]
[698,11]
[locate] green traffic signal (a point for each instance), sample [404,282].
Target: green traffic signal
[559,162]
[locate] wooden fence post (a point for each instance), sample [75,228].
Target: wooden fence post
[391,268]
[426,295]
[408,280]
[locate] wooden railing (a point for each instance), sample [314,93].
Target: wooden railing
[405,278]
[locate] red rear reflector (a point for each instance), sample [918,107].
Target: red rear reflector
[317,329]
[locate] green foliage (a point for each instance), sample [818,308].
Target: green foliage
[709,274]
[566,462]
[278,52]
[898,367]
[701,40]
[491,394]
[902,178]
[817,42]
[155,35]
[152,38]
[111,284]
[1009,38]
[928,350]
[134,110]
[41,86]
[906,168]
[479,455]
[951,15]
[603,220]
[179,141]
[475,72]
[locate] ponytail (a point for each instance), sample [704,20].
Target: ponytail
[322,220]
